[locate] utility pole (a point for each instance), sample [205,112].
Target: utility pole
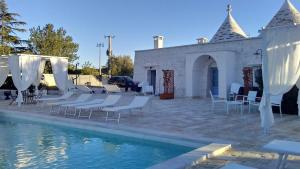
[100,45]
[109,52]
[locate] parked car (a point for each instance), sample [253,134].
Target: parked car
[123,81]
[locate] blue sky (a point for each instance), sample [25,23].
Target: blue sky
[134,22]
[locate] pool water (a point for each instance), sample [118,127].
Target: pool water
[26,144]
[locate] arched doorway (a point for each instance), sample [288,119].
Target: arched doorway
[205,76]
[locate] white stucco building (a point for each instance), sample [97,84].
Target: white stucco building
[210,65]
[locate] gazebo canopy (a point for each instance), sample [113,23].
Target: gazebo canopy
[281,66]
[27,70]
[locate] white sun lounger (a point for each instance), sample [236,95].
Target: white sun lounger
[80,99]
[63,97]
[284,149]
[95,101]
[84,89]
[236,166]
[137,103]
[74,105]
[110,100]
[112,88]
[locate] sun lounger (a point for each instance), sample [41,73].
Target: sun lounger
[74,105]
[137,103]
[91,102]
[63,97]
[236,166]
[80,99]
[112,88]
[84,89]
[284,149]
[108,101]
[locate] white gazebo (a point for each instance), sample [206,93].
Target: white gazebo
[281,67]
[27,69]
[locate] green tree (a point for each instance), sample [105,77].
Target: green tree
[54,42]
[88,69]
[121,65]
[9,27]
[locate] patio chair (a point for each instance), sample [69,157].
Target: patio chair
[81,98]
[276,101]
[251,100]
[13,95]
[236,166]
[110,100]
[284,149]
[234,90]
[216,100]
[236,103]
[137,103]
[146,88]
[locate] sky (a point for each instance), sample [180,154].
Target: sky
[135,22]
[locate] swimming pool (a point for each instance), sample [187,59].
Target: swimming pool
[27,144]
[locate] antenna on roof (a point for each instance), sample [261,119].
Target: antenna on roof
[229,9]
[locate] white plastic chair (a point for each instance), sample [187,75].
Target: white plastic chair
[137,103]
[216,100]
[234,90]
[276,101]
[236,103]
[251,100]
[146,88]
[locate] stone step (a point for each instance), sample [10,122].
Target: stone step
[194,157]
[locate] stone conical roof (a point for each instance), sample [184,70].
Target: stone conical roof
[229,30]
[287,15]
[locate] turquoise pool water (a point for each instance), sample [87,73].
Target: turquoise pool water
[26,144]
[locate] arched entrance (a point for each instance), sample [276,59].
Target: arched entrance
[205,76]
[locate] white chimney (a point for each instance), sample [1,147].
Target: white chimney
[158,42]
[202,40]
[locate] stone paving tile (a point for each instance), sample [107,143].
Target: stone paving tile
[193,118]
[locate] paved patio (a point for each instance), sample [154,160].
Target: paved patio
[192,118]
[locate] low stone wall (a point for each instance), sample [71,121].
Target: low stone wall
[81,80]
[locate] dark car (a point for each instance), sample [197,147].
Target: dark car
[123,81]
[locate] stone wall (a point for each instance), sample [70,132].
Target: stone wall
[175,58]
[82,80]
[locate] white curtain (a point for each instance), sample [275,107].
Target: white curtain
[281,67]
[23,69]
[60,72]
[39,75]
[3,71]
